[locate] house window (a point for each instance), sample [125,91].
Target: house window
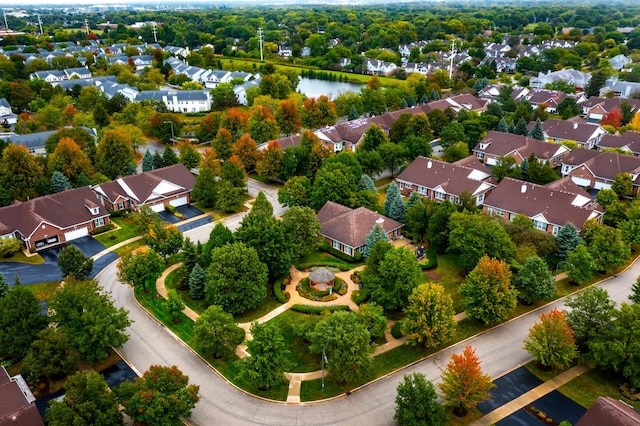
[121,205]
[495,212]
[98,222]
[538,224]
[336,245]
[512,216]
[555,230]
[439,195]
[348,250]
[480,155]
[422,190]
[455,200]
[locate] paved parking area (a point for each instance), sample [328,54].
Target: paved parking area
[509,387]
[554,405]
[188,211]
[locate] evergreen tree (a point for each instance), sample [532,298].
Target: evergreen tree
[413,199]
[353,114]
[157,160]
[411,101]
[393,205]
[567,240]
[189,255]
[435,96]
[424,99]
[147,161]
[404,103]
[536,132]
[169,157]
[524,169]
[59,182]
[132,169]
[521,128]
[82,181]
[197,279]
[376,234]
[502,126]
[4,286]
[366,183]
[634,296]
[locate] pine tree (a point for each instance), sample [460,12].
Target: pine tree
[567,240]
[536,132]
[353,114]
[502,126]
[424,99]
[435,96]
[464,384]
[197,279]
[393,205]
[413,199]
[82,180]
[59,182]
[157,160]
[188,255]
[366,183]
[147,161]
[132,169]
[376,234]
[411,101]
[634,296]
[169,157]
[521,128]
[404,103]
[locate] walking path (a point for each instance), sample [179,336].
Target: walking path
[531,396]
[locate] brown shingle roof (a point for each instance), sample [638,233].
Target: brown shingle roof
[579,156]
[558,207]
[351,226]
[15,408]
[321,275]
[562,129]
[608,165]
[610,412]
[629,139]
[63,209]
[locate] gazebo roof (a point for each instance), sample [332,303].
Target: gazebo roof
[321,275]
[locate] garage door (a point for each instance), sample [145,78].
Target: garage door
[78,233]
[602,185]
[581,181]
[158,208]
[179,201]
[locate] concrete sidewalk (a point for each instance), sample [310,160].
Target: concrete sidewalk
[534,394]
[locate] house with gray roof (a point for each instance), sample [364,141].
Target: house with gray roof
[77,73]
[7,117]
[179,100]
[50,76]
[35,142]
[53,219]
[623,89]
[345,229]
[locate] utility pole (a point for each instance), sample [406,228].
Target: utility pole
[453,54]
[5,19]
[86,25]
[154,30]
[40,24]
[260,37]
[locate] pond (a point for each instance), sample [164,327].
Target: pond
[313,88]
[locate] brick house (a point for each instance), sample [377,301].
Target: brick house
[440,181]
[586,135]
[156,188]
[550,207]
[53,219]
[594,108]
[345,229]
[498,144]
[629,142]
[600,171]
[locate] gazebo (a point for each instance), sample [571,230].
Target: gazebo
[321,279]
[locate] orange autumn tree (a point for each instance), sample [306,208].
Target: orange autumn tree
[236,122]
[464,384]
[262,125]
[551,341]
[270,160]
[246,150]
[288,117]
[69,160]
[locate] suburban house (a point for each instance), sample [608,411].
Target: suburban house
[374,66]
[619,88]
[611,412]
[600,171]
[18,403]
[156,189]
[628,141]
[498,144]
[179,100]
[586,135]
[575,158]
[569,76]
[53,219]
[35,142]
[77,73]
[7,117]
[50,76]
[345,229]
[594,109]
[438,180]
[550,207]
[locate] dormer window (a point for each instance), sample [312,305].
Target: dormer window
[94,210]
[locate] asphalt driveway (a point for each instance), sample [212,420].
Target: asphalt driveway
[509,387]
[188,211]
[49,271]
[554,405]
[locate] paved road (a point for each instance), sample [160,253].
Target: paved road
[499,349]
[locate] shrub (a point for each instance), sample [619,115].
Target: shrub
[396,330]
[179,215]
[360,296]
[170,209]
[340,287]
[103,229]
[317,310]
[431,260]
[9,246]
[358,256]
[281,296]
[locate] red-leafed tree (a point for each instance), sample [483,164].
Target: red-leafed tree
[318,112]
[288,117]
[236,122]
[464,384]
[612,118]
[262,124]
[270,160]
[246,150]
[209,126]
[551,341]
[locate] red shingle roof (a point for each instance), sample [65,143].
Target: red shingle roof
[610,412]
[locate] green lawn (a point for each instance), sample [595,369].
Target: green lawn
[585,389]
[303,361]
[320,258]
[268,304]
[266,181]
[452,276]
[113,237]
[43,291]
[19,256]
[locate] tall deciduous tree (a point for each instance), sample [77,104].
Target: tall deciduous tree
[429,316]
[189,155]
[398,274]
[346,342]
[262,125]
[269,356]
[372,316]
[534,281]
[634,296]
[21,320]
[296,192]
[318,112]
[591,312]
[487,293]
[393,205]
[114,154]
[19,172]
[288,117]
[416,402]
[71,260]
[140,267]
[464,384]
[373,138]
[608,248]
[236,122]
[246,150]
[580,264]
[51,355]
[268,165]
[206,188]
[333,183]
[69,159]
[616,347]
[302,228]
[216,333]
[89,317]
[166,240]
[222,144]
[162,396]
[551,341]
[88,401]
[237,279]
[174,305]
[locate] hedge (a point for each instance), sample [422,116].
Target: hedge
[360,296]
[395,330]
[280,295]
[103,229]
[318,310]
[432,257]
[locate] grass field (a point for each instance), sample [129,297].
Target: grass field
[19,256]
[113,237]
[452,276]
[302,360]
[43,291]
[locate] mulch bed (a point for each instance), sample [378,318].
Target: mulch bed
[434,276]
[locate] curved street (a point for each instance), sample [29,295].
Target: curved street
[500,350]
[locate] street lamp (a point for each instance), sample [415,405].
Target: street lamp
[324,361]
[173,138]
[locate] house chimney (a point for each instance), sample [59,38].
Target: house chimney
[429,164]
[575,126]
[523,188]
[380,221]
